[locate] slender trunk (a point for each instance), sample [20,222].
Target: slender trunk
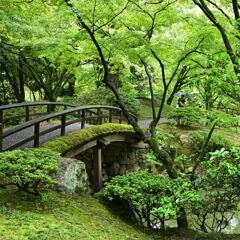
[21,80]
[170,99]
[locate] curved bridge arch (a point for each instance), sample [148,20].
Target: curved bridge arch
[68,147]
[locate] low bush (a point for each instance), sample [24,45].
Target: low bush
[186,116]
[220,188]
[216,142]
[153,198]
[28,169]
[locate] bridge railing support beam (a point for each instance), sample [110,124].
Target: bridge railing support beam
[83,119]
[36,134]
[63,124]
[97,166]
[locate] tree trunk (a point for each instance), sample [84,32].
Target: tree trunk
[21,81]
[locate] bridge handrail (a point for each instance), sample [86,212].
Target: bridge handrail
[81,118]
[27,106]
[17,105]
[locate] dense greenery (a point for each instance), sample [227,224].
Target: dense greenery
[123,53]
[28,170]
[154,198]
[213,197]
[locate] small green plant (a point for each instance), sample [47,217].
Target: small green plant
[28,169]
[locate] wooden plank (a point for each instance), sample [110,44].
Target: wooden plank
[36,134]
[83,119]
[18,105]
[97,169]
[63,127]
[27,117]
[24,115]
[110,115]
[121,117]
[99,117]
[80,149]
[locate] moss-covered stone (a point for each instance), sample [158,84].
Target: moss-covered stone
[71,140]
[72,178]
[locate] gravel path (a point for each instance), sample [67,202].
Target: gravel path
[12,139]
[145,123]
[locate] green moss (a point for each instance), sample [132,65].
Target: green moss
[71,140]
[55,217]
[60,217]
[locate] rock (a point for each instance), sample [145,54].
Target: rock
[185,140]
[104,175]
[72,178]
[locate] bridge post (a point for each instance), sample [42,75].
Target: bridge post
[97,168]
[27,117]
[121,117]
[83,119]
[36,134]
[63,123]
[110,115]
[99,117]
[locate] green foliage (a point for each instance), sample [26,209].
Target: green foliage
[154,198]
[216,142]
[128,96]
[186,116]
[71,140]
[223,119]
[220,187]
[28,169]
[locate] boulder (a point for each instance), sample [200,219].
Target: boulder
[185,140]
[72,178]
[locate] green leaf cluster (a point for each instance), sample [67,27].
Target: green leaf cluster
[154,198]
[186,116]
[220,187]
[28,169]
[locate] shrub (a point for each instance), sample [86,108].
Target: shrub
[220,187]
[153,198]
[28,169]
[216,142]
[186,116]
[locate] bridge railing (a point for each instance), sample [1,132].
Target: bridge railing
[27,107]
[83,114]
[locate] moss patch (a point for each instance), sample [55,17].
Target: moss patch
[59,217]
[56,217]
[71,140]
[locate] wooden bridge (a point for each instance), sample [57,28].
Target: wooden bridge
[33,115]
[94,114]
